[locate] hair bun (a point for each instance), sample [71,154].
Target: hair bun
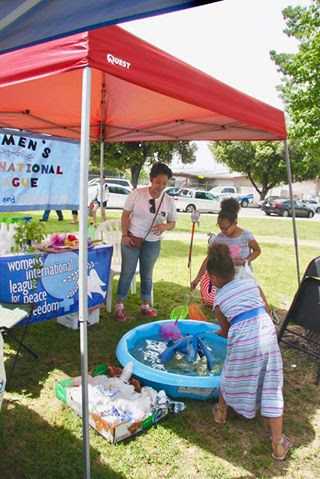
[230,204]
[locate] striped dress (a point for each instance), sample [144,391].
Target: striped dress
[252,376]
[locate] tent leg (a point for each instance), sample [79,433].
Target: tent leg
[295,236]
[103,91]
[83,261]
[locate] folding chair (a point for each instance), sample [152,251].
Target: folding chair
[305,312]
[110,232]
[10,316]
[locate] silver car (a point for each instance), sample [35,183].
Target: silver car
[190,200]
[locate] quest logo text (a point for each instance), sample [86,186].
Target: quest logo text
[117,61]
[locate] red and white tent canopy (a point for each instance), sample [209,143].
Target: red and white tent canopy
[138,91]
[110,81]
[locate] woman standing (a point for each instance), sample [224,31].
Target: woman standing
[147,213]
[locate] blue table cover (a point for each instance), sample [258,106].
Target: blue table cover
[50,281]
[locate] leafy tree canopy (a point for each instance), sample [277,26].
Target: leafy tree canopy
[264,162]
[134,156]
[301,75]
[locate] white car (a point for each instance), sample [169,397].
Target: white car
[199,200]
[117,195]
[314,204]
[172,190]
[93,181]
[114,181]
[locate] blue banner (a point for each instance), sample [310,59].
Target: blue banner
[38,172]
[50,281]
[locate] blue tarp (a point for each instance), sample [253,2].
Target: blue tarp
[27,22]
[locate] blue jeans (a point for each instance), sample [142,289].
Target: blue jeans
[147,256]
[47,213]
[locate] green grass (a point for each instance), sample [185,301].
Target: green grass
[40,437]
[273,227]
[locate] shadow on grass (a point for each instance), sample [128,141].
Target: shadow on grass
[243,444]
[246,443]
[50,451]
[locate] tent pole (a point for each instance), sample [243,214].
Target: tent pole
[102,145]
[295,236]
[83,260]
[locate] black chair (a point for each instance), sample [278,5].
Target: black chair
[11,315]
[313,268]
[305,312]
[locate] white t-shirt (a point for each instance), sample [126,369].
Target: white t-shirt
[105,193]
[138,202]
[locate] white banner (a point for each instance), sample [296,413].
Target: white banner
[38,172]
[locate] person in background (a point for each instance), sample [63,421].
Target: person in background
[46,215]
[74,217]
[147,213]
[96,202]
[233,236]
[252,374]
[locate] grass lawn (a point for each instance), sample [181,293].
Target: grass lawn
[39,437]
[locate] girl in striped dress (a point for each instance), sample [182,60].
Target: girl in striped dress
[252,376]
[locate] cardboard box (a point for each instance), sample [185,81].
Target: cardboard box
[112,433]
[72,320]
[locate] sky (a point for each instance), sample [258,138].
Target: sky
[229,40]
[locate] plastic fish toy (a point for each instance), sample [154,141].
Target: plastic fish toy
[192,346]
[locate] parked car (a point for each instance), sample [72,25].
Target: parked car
[269,199]
[314,204]
[120,181]
[172,190]
[93,181]
[117,195]
[223,192]
[115,181]
[190,200]
[282,207]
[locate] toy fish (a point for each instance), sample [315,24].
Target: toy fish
[192,346]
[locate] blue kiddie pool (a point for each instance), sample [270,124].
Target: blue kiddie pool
[175,384]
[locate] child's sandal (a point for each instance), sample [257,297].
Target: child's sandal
[281,448]
[219,414]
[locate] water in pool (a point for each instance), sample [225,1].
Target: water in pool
[147,351]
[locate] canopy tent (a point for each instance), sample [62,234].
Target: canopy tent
[28,22]
[147,94]
[129,91]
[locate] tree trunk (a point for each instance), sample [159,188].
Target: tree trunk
[135,172]
[263,193]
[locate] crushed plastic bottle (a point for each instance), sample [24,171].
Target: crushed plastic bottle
[127,372]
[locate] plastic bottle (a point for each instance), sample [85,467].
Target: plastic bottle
[3,236]
[127,372]
[11,233]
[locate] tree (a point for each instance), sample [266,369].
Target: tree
[133,156]
[263,162]
[301,76]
